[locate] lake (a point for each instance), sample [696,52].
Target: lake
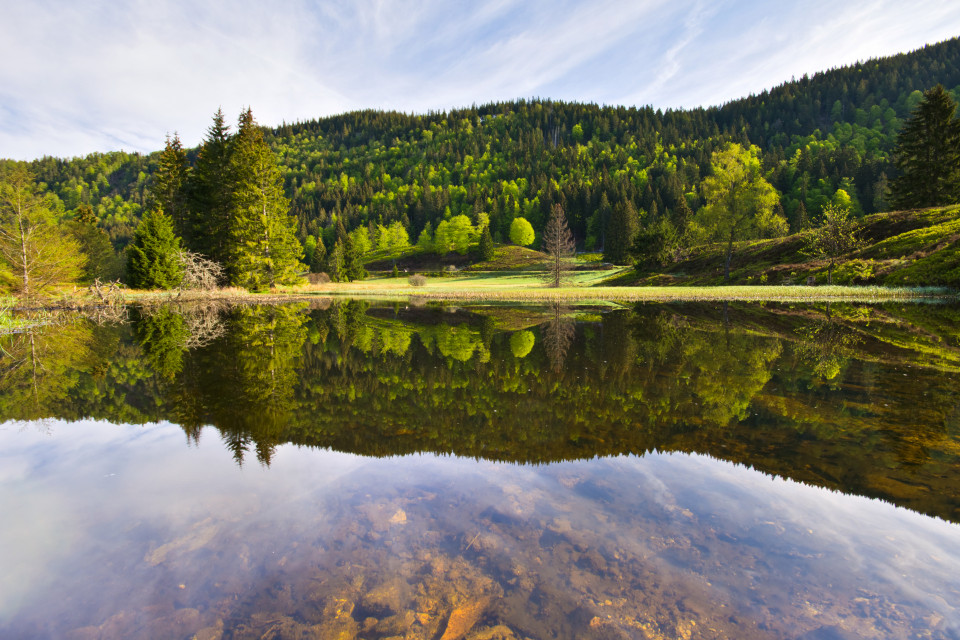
[343,469]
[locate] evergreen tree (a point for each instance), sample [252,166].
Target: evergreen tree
[928,154]
[337,263]
[264,251]
[153,256]
[486,244]
[318,263]
[169,189]
[210,191]
[621,233]
[353,260]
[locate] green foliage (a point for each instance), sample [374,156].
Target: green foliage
[263,251]
[453,235]
[621,233]
[210,194]
[836,236]
[485,247]
[739,200]
[521,232]
[39,252]
[318,260]
[169,189]
[928,154]
[153,256]
[521,343]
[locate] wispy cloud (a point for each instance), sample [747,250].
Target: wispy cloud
[101,75]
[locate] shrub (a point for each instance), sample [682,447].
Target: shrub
[318,278]
[417,280]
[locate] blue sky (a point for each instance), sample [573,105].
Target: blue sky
[79,77]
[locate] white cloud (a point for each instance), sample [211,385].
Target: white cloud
[96,76]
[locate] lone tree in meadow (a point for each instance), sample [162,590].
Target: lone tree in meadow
[559,246]
[835,237]
[739,200]
[928,154]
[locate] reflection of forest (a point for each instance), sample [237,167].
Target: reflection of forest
[858,399]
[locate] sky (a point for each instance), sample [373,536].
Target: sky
[88,76]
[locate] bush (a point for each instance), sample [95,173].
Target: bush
[417,280]
[318,278]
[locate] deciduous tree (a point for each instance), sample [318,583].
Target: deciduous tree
[835,237]
[739,200]
[38,251]
[521,232]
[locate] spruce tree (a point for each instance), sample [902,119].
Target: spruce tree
[209,190]
[318,264]
[559,246]
[169,189]
[153,257]
[263,250]
[337,263]
[486,244]
[621,232]
[928,154]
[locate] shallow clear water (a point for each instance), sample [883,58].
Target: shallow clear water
[686,472]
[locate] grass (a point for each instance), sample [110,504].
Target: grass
[527,287]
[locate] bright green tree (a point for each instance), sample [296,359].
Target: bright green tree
[153,256]
[835,237]
[928,154]
[739,200]
[425,239]
[40,253]
[264,251]
[453,235]
[521,232]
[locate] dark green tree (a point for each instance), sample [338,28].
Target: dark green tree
[263,250]
[353,261]
[169,189]
[486,244]
[928,154]
[621,233]
[318,263]
[102,261]
[153,257]
[210,191]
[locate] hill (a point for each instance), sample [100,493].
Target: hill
[902,248]
[833,130]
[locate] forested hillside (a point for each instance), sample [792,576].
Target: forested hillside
[834,130]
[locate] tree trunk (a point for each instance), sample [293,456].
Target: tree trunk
[830,273]
[726,264]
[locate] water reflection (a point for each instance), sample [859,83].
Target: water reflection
[121,531]
[154,540]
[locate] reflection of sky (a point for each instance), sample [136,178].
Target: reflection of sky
[85,502]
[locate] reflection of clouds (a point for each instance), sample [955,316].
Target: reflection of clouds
[90,494]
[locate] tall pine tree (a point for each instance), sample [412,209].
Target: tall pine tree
[210,190]
[928,154]
[263,251]
[621,232]
[169,189]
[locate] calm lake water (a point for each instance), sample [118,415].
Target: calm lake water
[343,470]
